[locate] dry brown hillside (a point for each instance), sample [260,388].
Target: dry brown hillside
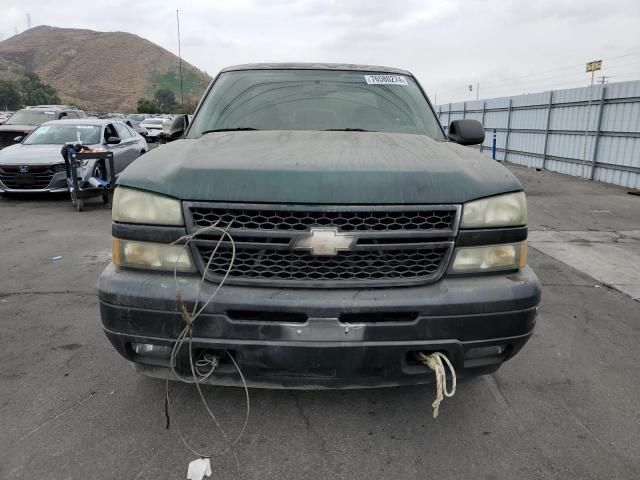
[99,70]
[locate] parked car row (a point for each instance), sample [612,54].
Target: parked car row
[26,120]
[4,116]
[31,140]
[151,127]
[33,162]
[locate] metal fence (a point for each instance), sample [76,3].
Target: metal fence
[589,132]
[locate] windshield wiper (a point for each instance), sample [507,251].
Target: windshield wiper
[346,130]
[236,129]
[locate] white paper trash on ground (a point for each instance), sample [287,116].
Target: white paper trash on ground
[198,469]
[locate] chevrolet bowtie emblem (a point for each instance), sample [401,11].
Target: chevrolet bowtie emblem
[324,242]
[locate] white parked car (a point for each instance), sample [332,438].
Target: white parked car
[156,126]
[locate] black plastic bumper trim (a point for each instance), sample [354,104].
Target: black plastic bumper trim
[321,364]
[467,238]
[147,233]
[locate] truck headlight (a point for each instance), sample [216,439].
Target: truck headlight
[508,210]
[510,256]
[151,256]
[137,206]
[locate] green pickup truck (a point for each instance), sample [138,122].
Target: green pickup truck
[348,231]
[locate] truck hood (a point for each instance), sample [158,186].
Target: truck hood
[318,167]
[20,154]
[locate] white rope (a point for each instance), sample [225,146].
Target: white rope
[434,362]
[186,336]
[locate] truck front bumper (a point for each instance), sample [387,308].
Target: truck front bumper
[314,338]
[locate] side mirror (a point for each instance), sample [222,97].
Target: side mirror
[113,140]
[178,127]
[18,139]
[466,132]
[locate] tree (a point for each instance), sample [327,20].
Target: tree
[28,89]
[34,92]
[147,106]
[9,95]
[165,99]
[188,108]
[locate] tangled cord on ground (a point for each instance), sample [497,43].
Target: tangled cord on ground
[207,360]
[434,362]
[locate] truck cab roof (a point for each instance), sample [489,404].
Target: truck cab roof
[315,66]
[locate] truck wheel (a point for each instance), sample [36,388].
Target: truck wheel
[105,199]
[80,204]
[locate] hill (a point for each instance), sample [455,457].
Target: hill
[103,71]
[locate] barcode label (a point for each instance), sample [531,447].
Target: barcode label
[386,80]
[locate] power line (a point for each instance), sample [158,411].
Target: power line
[554,83]
[528,76]
[542,82]
[514,91]
[621,65]
[524,82]
[622,56]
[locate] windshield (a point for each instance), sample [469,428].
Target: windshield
[30,117]
[136,117]
[316,100]
[61,134]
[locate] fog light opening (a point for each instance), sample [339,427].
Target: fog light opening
[204,360]
[151,354]
[480,356]
[413,357]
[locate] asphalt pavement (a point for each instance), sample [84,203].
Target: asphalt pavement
[568,406]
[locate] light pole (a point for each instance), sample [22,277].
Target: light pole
[592,67]
[180,60]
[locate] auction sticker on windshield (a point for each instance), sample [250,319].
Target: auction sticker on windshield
[386,80]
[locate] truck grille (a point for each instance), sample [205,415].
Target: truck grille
[345,266]
[392,245]
[344,221]
[37,177]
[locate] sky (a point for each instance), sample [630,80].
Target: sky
[508,47]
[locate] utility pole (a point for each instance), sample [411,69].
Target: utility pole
[29,21]
[477,89]
[180,60]
[592,67]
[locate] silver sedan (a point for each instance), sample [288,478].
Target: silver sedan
[34,163]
